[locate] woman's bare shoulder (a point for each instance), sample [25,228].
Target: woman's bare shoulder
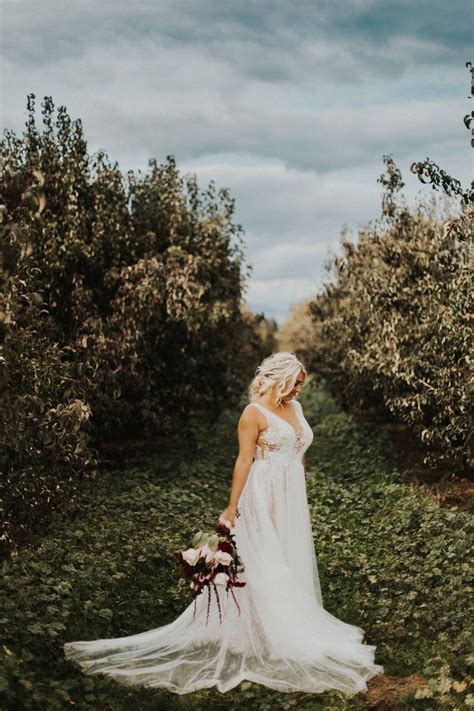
[250,414]
[250,410]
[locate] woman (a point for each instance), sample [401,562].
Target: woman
[280,635]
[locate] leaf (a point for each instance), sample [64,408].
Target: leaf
[197,539]
[213,542]
[35,629]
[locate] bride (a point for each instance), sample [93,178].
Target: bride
[280,635]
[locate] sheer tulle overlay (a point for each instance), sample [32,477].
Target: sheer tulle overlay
[282,636]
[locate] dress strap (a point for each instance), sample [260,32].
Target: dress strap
[262,409]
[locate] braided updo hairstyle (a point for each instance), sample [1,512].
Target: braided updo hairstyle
[276,369]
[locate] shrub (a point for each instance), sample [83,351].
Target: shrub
[392,330]
[123,316]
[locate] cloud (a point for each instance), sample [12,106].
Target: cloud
[289,105]
[284,204]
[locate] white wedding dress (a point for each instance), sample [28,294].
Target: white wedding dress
[282,637]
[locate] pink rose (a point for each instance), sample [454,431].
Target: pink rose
[223,558]
[221,579]
[208,553]
[191,555]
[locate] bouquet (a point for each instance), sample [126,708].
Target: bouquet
[212,561]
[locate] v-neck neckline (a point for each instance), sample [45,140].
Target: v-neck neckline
[297,434]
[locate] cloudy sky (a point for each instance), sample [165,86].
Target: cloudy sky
[290,105]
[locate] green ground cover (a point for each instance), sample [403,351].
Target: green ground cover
[390,560]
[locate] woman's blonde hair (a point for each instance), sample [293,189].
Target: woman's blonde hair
[276,369]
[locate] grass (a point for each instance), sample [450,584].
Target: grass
[391,560]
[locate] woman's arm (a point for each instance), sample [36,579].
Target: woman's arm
[248,432]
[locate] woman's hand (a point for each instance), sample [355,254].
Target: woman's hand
[229,515]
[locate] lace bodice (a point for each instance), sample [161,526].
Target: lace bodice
[281,442]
